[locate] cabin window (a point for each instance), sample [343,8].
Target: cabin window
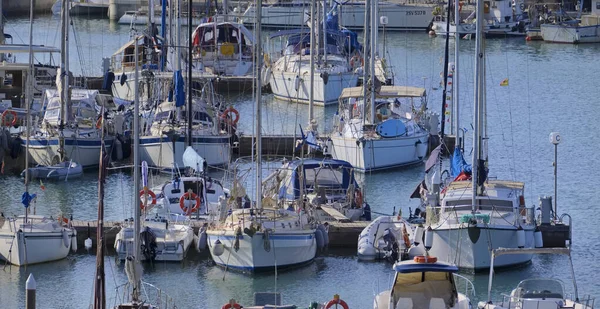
[323,177]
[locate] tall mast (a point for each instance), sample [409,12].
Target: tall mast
[136,172]
[324,37]
[99,282]
[366,49]
[189,84]
[163,32]
[178,36]
[151,18]
[259,57]
[29,99]
[455,79]
[445,92]
[311,94]
[64,92]
[372,57]
[477,105]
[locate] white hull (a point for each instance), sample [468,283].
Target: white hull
[285,87]
[570,34]
[84,151]
[172,244]
[374,154]
[370,242]
[26,248]
[286,249]
[352,16]
[158,151]
[454,246]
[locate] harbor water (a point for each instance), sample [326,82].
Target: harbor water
[551,88]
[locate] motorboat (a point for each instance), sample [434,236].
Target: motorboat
[386,131]
[328,185]
[539,293]
[289,72]
[291,14]
[391,238]
[83,7]
[424,282]
[33,239]
[60,171]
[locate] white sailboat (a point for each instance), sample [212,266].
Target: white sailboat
[538,293]
[31,239]
[475,214]
[260,237]
[161,241]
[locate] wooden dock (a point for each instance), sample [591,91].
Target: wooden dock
[341,234]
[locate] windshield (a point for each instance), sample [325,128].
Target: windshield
[540,288]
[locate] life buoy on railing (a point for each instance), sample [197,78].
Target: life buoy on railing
[10,122]
[99,122]
[231,305]
[229,110]
[336,301]
[143,195]
[424,259]
[189,196]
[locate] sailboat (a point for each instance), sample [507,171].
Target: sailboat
[262,237]
[162,241]
[71,129]
[476,214]
[31,239]
[379,127]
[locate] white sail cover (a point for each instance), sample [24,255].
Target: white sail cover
[193,160]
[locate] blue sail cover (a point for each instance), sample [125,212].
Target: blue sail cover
[458,163]
[350,37]
[178,92]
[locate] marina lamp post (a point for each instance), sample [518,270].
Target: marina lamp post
[555,139]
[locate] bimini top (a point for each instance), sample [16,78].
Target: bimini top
[406,267]
[314,163]
[385,92]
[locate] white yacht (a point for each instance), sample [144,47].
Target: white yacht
[538,293]
[424,283]
[290,14]
[387,135]
[35,239]
[565,29]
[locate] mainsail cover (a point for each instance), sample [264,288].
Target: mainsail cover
[458,163]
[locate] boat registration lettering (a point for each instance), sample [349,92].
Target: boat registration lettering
[411,13]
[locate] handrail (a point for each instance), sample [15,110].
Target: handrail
[468,285]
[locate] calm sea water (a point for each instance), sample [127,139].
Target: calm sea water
[552,88]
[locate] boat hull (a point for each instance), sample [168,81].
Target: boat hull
[570,34]
[158,151]
[86,152]
[26,248]
[172,244]
[455,246]
[375,154]
[287,86]
[286,250]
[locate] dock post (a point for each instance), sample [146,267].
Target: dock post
[113,12]
[30,287]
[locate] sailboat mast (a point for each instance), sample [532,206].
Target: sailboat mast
[477,105]
[366,49]
[445,92]
[163,32]
[311,93]
[324,37]
[372,57]
[99,282]
[136,169]
[259,57]
[189,84]
[29,98]
[63,91]
[66,73]
[151,18]
[455,79]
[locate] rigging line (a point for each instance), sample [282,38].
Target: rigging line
[512,135]
[529,125]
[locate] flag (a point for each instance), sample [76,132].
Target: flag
[42,186]
[504,82]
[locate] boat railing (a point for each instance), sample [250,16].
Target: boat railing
[437,215]
[464,284]
[150,294]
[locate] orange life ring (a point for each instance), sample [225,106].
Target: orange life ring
[152,195]
[424,259]
[356,58]
[14,117]
[63,220]
[405,237]
[336,301]
[99,123]
[189,196]
[227,112]
[229,306]
[358,197]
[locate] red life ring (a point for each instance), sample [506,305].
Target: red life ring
[424,259]
[229,306]
[152,195]
[189,196]
[14,117]
[226,113]
[336,301]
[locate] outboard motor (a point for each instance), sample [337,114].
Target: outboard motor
[149,245]
[391,248]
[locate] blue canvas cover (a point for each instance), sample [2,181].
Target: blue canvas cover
[311,164]
[458,163]
[178,92]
